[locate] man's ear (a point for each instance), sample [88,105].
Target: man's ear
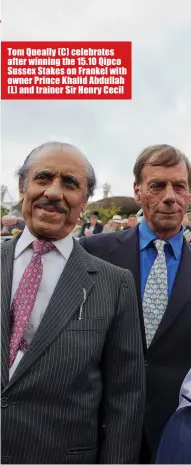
[137,192]
[84,206]
[21,194]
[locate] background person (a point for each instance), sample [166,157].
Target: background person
[93,226]
[116,222]
[132,221]
[125,224]
[8,223]
[187,229]
[108,227]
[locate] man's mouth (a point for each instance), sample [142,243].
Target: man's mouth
[168,213]
[49,209]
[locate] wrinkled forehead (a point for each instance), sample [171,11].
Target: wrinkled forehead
[58,159]
[165,173]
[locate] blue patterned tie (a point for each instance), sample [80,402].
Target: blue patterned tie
[155,297]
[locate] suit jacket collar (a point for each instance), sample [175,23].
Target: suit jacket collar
[124,253]
[130,254]
[65,301]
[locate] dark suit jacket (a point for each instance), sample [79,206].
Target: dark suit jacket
[167,360]
[77,395]
[98,228]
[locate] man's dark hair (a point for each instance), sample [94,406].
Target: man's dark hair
[22,172]
[94,213]
[160,155]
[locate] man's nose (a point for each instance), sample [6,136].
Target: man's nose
[169,194]
[54,191]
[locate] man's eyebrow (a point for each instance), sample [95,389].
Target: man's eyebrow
[65,177]
[157,181]
[180,181]
[177,181]
[44,172]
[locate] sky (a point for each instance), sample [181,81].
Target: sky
[110,133]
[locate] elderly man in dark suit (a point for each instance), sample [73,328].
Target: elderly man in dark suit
[159,257]
[72,359]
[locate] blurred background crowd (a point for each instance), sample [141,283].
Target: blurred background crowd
[109,214]
[11,225]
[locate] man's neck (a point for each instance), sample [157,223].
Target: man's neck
[165,235]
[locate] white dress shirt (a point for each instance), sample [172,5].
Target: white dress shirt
[53,265]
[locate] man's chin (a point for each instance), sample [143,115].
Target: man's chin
[44,229]
[168,224]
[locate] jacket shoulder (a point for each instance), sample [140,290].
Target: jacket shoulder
[103,240]
[108,271]
[7,243]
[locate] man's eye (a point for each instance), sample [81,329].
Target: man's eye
[42,177]
[156,185]
[179,186]
[70,182]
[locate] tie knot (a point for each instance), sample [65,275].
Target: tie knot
[159,244]
[42,247]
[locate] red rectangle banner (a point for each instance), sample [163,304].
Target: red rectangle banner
[66,70]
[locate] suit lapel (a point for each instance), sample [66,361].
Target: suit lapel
[181,293]
[64,303]
[125,254]
[7,258]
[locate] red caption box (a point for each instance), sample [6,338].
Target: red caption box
[66,70]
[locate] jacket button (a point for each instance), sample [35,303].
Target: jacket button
[146,363]
[4,402]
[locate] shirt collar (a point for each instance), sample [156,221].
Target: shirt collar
[146,235]
[64,246]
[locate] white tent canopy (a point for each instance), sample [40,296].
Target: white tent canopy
[7,200]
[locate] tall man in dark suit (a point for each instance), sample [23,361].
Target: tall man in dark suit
[72,359]
[160,259]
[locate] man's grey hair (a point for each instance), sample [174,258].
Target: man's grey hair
[23,171]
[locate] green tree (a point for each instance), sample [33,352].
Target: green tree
[3,211]
[105,214]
